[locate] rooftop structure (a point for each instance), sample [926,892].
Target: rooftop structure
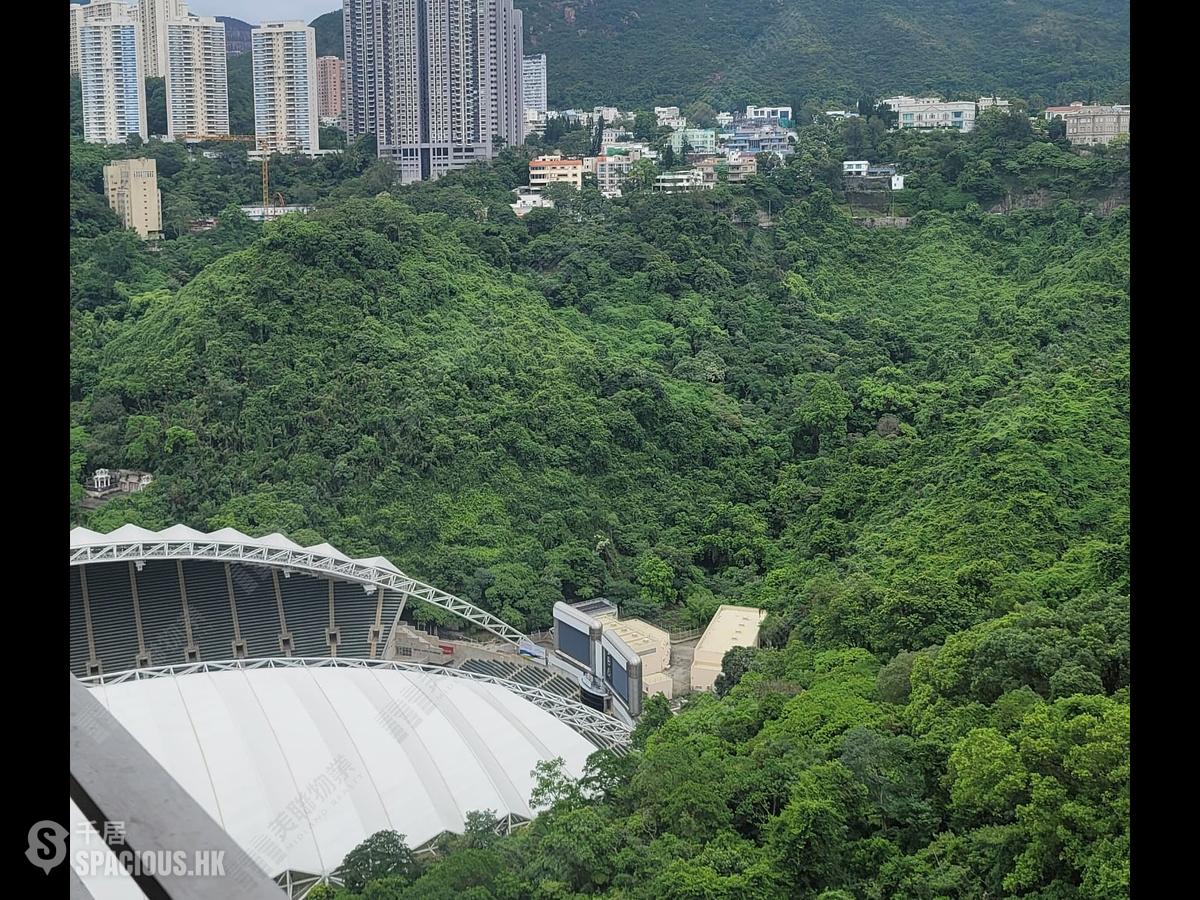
[649,642]
[732,626]
[141,597]
[259,213]
[1052,112]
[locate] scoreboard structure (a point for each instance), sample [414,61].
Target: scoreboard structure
[613,669]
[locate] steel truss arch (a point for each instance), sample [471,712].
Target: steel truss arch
[300,560]
[603,731]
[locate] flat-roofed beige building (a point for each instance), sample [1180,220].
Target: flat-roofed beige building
[131,186]
[732,626]
[555,170]
[1091,125]
[662,683]
[651,644]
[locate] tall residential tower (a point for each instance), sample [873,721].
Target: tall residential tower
[533,85]
[97,9]
[110,77]
[197,83]
[437,81]
[131,186]
[361,60]
[285,86]
[329,88]
[154,16]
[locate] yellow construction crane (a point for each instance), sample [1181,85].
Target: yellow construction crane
[263,145]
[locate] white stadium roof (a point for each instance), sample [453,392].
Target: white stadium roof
[301,763]
[133,543]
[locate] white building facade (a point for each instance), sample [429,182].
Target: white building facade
[929,113]
[992,102]
[197,81]
[777,115]
[285,86]
[154,16]
[669,117]
[97,9]
[684,180]
[533,83]
[111,80]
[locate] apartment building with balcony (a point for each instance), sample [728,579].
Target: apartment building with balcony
[197,83]
[285,86]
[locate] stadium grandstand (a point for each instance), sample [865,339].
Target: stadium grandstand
[251,667]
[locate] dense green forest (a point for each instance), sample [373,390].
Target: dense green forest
[909,445]
[732,52]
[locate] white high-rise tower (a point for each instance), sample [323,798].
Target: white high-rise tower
[97,9]
[110,76]
[285,86]
[533,82]
[154,16]
[197,81]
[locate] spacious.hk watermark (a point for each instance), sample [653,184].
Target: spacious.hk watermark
[91,854]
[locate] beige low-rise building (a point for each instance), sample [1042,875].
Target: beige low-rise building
[732,626]
[555,170]
[660,683]
[131,186]
[1088,126]
[737,167]
[649,642]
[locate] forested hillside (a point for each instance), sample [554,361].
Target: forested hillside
[792,51]
[733,52]
[909,445]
